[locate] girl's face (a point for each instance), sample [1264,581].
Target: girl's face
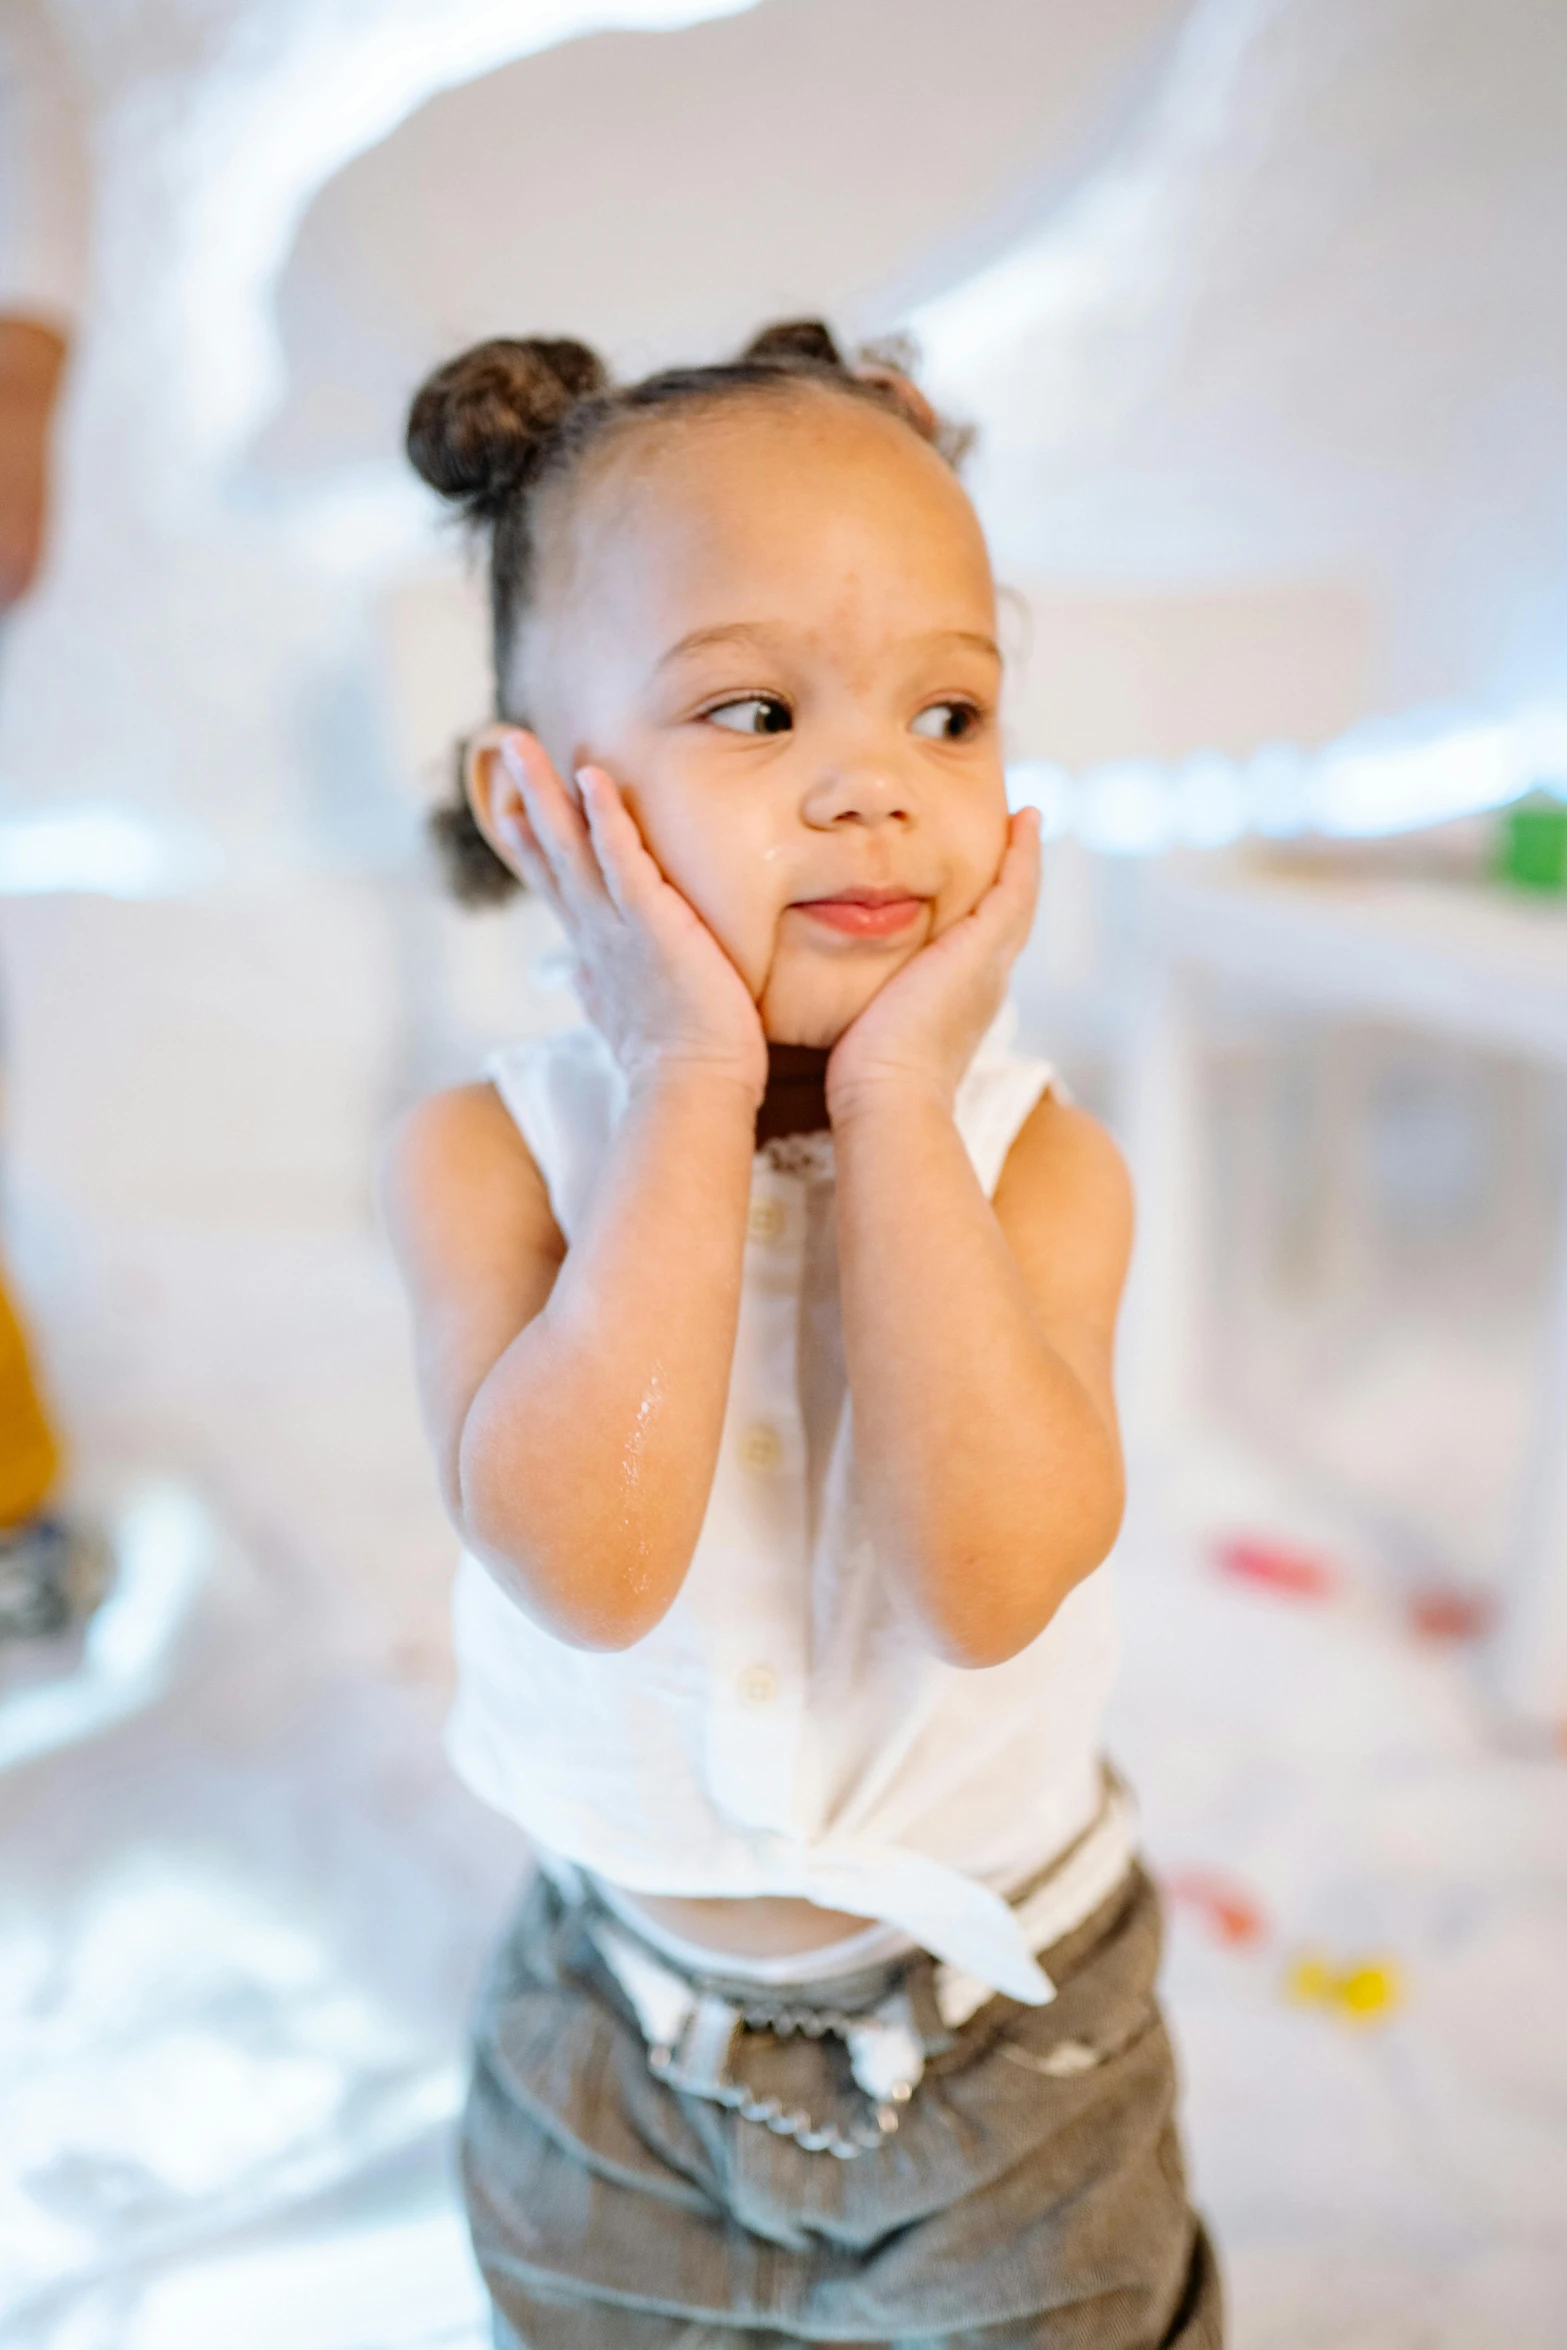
[774,624]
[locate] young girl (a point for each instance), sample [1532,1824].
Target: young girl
[764,1333]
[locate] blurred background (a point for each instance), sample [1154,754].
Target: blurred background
[1259,310]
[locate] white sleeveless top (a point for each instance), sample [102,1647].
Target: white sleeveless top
[783,1730]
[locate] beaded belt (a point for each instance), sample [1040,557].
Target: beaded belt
[691,2029]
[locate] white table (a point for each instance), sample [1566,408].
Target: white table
[1472,965]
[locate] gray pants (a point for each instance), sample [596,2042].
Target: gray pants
[1021,2202]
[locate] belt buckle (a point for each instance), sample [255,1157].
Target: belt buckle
[698,2064]
[885,2057]
[887,2051]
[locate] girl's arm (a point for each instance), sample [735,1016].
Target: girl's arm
[979,1341]
[576,1400]
[978,1336]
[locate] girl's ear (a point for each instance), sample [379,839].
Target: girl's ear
[494,793]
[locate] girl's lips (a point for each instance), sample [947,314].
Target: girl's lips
[862,917]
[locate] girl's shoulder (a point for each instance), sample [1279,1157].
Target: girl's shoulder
[1064,1202]
[1061,1150]
[459,1193]
[448,1145]
[1056,1177]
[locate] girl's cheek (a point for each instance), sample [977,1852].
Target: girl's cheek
[960,897]
[983,866]
[742,919]
[738,875]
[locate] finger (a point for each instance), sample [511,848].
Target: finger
[522,849]
[519,843]
[557,824]
[628,866]
[998,926]
[1009,903]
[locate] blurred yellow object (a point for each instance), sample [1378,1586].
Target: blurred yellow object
[1310,1980]
[29,1455]
[1372,1990]
[1363,1993]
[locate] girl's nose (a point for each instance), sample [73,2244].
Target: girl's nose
[865,793]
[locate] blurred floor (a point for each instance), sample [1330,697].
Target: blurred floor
[239,1930]
[1368,1929]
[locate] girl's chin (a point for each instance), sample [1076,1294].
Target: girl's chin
[815,1007]
[821,1034]
[820,1026]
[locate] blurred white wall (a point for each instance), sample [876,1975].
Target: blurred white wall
[1252,300]
[1307,322]
[662,195]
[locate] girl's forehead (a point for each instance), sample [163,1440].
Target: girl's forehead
[804,498]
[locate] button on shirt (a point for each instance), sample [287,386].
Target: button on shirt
[782,1730]
[761,1448]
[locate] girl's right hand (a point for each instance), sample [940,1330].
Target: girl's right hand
[651,975]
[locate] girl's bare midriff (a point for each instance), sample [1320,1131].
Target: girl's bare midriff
[763,1926]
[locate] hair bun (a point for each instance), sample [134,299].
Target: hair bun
[477,424]
[794,339]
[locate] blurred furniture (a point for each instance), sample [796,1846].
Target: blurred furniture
[1464,964]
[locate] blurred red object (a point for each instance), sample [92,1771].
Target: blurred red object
[1226,1909]
[1451,1615]
[1296,1572]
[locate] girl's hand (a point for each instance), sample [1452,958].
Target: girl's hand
[920,1032]
[651,975]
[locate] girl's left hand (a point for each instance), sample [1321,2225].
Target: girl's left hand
[920,1032]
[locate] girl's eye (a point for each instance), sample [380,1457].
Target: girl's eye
[947,722]
[753,714]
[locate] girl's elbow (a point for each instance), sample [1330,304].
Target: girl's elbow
[579,1600]
[992,1615]
[575,1611]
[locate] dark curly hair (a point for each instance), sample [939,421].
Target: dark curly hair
[493,426]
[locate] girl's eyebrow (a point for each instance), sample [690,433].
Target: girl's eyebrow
[734,632]
[729,632]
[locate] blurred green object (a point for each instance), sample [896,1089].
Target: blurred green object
[1532,850]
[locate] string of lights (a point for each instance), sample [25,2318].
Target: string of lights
[1393,776]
